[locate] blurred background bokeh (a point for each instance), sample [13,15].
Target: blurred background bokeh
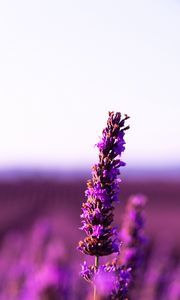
[64,65]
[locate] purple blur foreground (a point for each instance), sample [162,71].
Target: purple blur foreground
[39,230]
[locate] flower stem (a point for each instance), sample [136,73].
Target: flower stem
[96,265]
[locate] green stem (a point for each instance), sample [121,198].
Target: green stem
[96,265]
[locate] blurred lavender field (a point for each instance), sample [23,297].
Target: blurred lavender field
[39,235]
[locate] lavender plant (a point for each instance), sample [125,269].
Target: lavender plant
[102,192]
[168,275]
[132,233]
[135,246]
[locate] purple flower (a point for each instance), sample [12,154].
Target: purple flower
[87,272]
[97,231]
[102,191]
[132,233]
[112,280]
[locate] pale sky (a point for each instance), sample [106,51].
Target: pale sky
[65,64]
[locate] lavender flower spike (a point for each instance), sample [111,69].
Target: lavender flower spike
[112,280]
[132,233]
[102,191]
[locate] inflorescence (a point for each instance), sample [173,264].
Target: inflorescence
[132,233]
[97,217]
[102,191]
